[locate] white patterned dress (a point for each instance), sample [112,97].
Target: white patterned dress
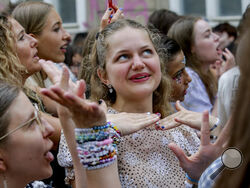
[144,159]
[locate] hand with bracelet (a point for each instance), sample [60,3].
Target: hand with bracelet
[85,116]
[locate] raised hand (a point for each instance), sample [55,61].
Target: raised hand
[84,113]
[195,165]
[128,123]
[109,17]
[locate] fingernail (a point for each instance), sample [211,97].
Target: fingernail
[121,9]
[162,127]
[148,113]
[158,114]
[110,9]
[111,16]
[100,101]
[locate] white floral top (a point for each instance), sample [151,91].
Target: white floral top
[144,159]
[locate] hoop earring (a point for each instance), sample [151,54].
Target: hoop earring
[110,88]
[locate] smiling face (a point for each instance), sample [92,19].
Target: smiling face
[26,48]
[179,77]
[27,155]
[132,64]
[53,40]
[206,43]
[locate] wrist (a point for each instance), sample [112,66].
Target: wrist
[191,180]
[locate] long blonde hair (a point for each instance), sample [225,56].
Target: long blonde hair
[100,90]
[11,69]
[183,32]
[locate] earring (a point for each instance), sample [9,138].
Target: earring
[110,88]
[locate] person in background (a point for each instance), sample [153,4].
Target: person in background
[227,34]
[162,19]
[200,47]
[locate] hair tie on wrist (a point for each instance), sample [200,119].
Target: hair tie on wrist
[192,180]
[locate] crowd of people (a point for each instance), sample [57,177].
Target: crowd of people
[139,106]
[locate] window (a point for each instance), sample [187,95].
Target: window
[67,10]
[194,7]
[229,7]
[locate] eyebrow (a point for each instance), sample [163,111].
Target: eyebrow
[57,23]
[31,116]
[179,71]
[20,33]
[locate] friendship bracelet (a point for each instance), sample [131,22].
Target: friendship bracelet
[193,181]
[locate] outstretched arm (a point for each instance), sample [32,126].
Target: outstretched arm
[85,114]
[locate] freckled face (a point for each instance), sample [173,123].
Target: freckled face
[132,64]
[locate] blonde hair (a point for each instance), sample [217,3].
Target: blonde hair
[100,90]
[183,32]
[32,16]
[11,69]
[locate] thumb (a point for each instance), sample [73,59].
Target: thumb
[64,82]
[178,106]
[179,153]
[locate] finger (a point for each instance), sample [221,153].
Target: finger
[178,106]
[50,94]
[81,88]
[117,15]
[188,123]
[168,123]
[105,18]
[205,129]
[51,70]
[64,82]
[179,153]
[225,133]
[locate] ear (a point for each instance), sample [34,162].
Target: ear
[103,76]
[3,166]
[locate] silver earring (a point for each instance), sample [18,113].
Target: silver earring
[110,88]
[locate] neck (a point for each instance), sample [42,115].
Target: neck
[134,106]
[205,67]
[12,182]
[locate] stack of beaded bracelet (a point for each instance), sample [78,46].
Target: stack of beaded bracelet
[95,146]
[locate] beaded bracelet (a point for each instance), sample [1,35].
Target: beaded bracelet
[96,147]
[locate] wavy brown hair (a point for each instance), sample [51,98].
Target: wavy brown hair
[100,90]
[183,32]
[11,69]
